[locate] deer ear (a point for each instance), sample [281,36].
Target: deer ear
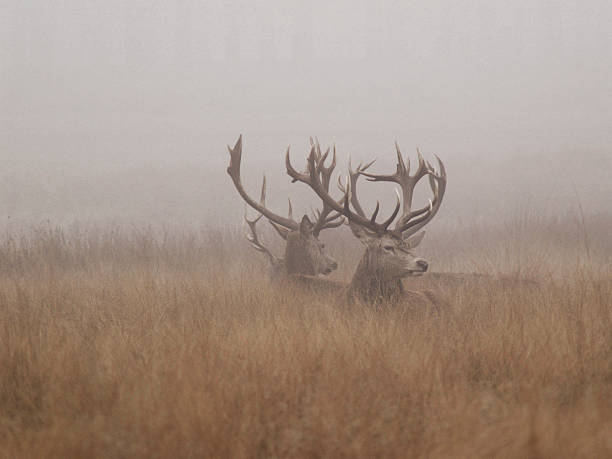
[415,240]
[306,226]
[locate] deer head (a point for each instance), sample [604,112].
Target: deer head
[304,252]
[387,257]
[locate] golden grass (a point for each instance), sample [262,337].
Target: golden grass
[135,343]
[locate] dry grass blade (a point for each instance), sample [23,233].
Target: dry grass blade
[143,344]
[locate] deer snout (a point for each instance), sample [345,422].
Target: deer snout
[422,264]
[331,266]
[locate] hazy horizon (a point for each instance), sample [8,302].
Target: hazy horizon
[115,110]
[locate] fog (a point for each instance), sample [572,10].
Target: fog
[122,110]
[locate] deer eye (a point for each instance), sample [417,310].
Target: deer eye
[389,248]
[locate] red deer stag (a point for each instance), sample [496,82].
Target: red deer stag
[304,252]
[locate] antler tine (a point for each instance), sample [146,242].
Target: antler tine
[333,217]
[262,197]
[354,175]
[341,185]
[253,237]
[313,144]
[324,220]
[375,213]
[326,172]
[233,171]
[423,168]
[352,178]
[437,183]
[251,222]
[388,221]
[295,175]
[335,223]
[441,166]
[400,161]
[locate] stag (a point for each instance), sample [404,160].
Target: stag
[388,256]
[304,252]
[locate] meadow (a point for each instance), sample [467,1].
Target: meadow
[131,341]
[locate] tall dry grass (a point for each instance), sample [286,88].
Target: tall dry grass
[140,342]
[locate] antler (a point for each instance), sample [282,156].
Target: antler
[323,218]
[313,178]
[234,172]
[254,239]
[409,221]
[437,183]
[352,183]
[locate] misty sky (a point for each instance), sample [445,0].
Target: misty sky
[115,106]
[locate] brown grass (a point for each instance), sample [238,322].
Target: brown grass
[143,343]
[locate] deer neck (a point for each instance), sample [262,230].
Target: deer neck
[369,285]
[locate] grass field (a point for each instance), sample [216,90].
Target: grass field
[151,343]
